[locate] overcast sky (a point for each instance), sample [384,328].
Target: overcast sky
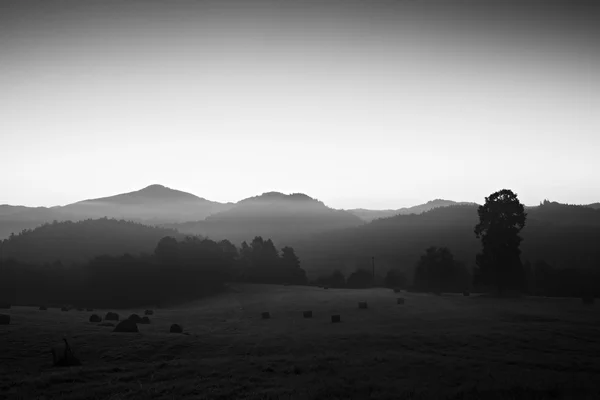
[374,104]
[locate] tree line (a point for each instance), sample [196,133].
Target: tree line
[177,270]
[498,264]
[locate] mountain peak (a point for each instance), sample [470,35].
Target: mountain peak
[278,196]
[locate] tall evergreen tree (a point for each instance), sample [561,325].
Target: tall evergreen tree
[501,219]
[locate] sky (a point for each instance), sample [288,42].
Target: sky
[360,104]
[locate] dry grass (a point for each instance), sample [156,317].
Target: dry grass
[432,347]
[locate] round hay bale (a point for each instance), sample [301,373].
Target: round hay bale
[307,314]
[266,315]
[587,300]
[400,300]
[95,318]
[126,326]
[176,329]
[145,320]
[466,293]
[336,318]
[4,319]
[42,308]
[362,304]
[148,312]
[111,316]
[135,318]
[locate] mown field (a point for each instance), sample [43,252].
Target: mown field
[446,346]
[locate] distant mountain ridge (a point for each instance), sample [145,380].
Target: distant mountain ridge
[283,214]
[275,215]
[152,205]
[370,215]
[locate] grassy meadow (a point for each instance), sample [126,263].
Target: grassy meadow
[446,346]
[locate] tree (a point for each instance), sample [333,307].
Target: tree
[396,279]
[291,266]
[438,271]
[501,219]
[167,250]
[360,279]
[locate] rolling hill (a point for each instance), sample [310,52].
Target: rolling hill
[72,242]
[155,204]
[284,218]
[370,215]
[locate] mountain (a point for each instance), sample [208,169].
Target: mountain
[275,215]
[370,215]
[155,204]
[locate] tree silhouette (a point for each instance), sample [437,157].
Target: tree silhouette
[396,279]
[438,271]
[360,279]
[501,219]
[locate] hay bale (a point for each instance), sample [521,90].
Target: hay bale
[466,293]
[63,356]
[5,306]
[588,300]
[135,318]
[176,329]
[43,308]
[362,304]
[307,314]
[400,300]
[126,326]
[266,315]
[148,312]
[4,319]
[145,320]
[336,318]
[111,316]
[95,318]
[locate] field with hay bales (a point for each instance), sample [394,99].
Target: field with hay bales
[448,346]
